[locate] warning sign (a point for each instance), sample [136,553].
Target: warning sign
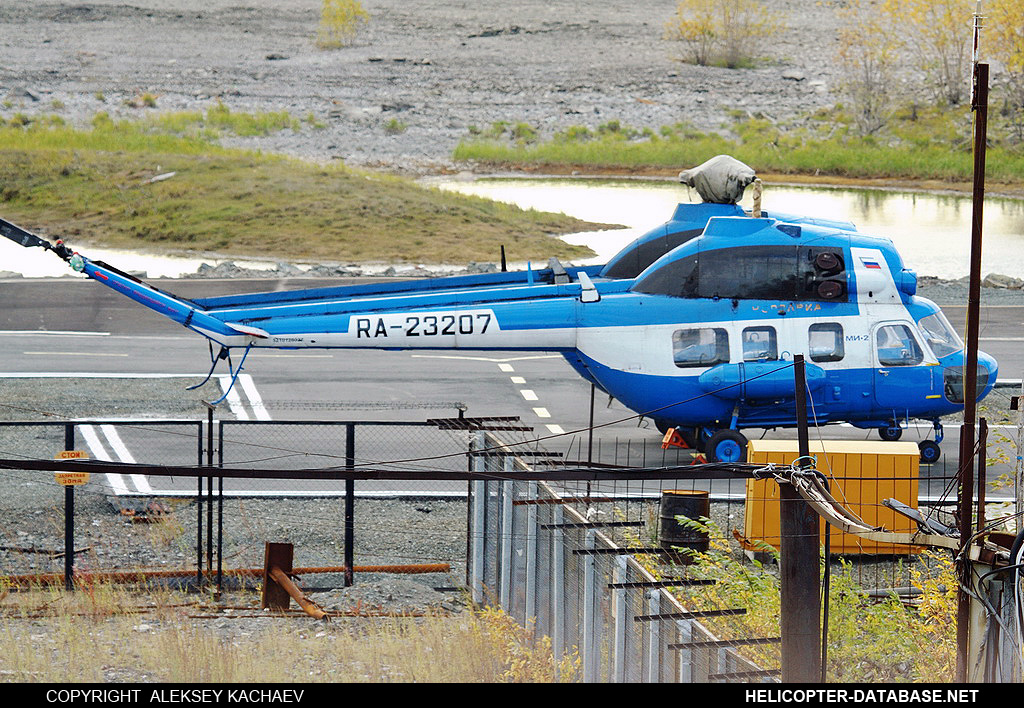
[72,455]
[71,479]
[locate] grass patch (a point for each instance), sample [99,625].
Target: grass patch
[93,186]
[103,634]
[920,144]
[869,640]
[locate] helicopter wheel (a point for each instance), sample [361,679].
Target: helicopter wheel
[890,433]
[930,451]
[726,445]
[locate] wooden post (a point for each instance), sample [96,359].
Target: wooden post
[276,555]
[798,563]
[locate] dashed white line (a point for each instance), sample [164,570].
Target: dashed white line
[528,394]
[542,412]
[517,380]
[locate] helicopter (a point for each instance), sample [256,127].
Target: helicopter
[694,325]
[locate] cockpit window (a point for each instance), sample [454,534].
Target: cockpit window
[760,344]
[706,346]
[897,346]
[940,334]
[769,272]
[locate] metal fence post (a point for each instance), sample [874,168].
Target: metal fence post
[350,504]
[479,519]
[589,611]
[531,557]
[619,612]
[686,656]
[505,571]
[69,517]
[654,638]
[558,588]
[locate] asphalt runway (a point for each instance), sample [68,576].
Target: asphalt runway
[73,330]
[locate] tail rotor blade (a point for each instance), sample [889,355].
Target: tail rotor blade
[29,239]
[21,236]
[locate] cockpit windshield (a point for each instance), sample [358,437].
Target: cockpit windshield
[940,335]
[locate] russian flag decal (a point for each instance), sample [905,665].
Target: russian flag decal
[870,263]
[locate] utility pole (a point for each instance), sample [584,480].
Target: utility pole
[979,104]
[798,562]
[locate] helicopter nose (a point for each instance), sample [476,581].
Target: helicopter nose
[988,371]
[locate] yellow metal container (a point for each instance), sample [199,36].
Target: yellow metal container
[861,474]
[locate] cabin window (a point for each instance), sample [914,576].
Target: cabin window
[706,346]
[825,342]
[897,347]
[940,335]
[760,344]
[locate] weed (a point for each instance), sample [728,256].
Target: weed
[395,127]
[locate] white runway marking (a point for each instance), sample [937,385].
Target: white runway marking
[485,358]
[74,354]
[116,481]
[54,332]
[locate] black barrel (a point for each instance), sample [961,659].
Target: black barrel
[693,504]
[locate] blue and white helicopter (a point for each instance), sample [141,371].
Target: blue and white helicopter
[694,325]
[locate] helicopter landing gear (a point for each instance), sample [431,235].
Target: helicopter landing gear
[726,445]
[930,452]
[891,432]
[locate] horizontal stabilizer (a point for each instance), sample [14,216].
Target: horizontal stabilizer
[251,331]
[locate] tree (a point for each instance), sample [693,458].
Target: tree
[938,35]
[1003,39]
[870,59]
[340,20]
[726,32]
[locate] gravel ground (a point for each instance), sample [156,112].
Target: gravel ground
[437,67]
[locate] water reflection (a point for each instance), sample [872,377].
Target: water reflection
[931,230]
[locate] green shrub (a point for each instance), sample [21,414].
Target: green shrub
[340,21]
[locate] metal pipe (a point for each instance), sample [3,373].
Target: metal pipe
[136,576]
[310,607]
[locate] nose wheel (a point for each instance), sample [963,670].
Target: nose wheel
[930,450]
[726,445]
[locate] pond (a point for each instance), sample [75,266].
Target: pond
[932,231]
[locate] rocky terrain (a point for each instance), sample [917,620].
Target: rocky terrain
[434,69]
